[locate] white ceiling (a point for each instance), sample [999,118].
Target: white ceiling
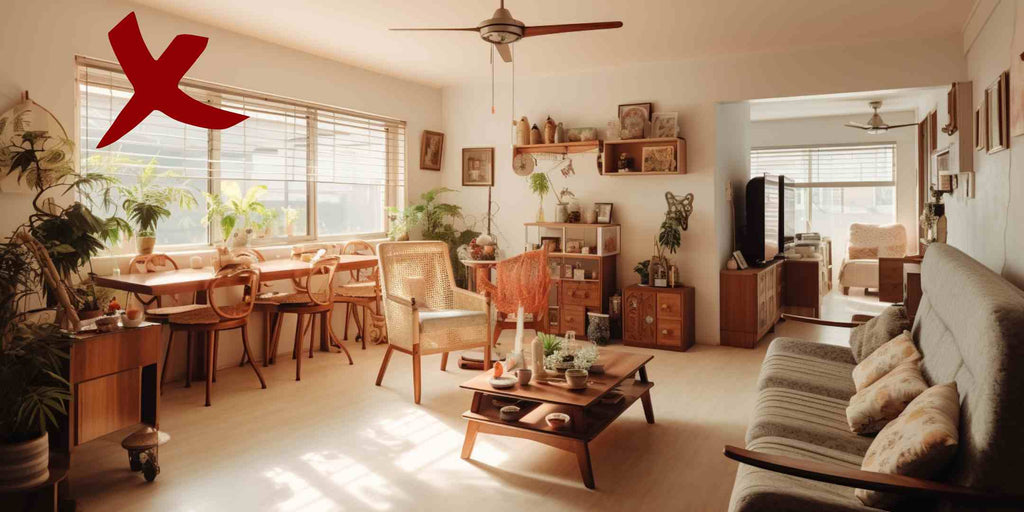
[855,103]
[355,31]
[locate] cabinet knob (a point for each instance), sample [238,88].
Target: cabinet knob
[664,331]
[649,319]
[664,306]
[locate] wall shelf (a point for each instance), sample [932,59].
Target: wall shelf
[634,148]
[563,148]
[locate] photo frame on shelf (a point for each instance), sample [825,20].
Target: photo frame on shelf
[741,262]
[431,150]
[658,159]
[979,129]
[997,115]
[477,167]
[574,245]
[604,213]
[551,243]
[567,271]
[633,119]
[664,125]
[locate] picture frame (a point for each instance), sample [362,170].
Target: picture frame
[741,262]
[431,150]
[604,213]
[665,125]
[574,245]
[633,119]
[477,167]
[979,129]
[567,271]
[660,159]
[997,135]
[551,243]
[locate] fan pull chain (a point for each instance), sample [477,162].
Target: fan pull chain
[492,80]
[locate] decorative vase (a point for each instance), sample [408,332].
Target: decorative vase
[598,328]
[523,132]
[540,212]
[145,244]
[591,217]
[561,213]
[549,131]
[535,137]
[559,134]
[25,464]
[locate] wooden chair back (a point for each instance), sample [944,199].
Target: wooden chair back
[248,278]
[321,293]
[155,262]
[361,247]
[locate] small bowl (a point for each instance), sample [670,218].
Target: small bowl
[509,413]
[503,382]
[576,379]
[131,324]
[557,420]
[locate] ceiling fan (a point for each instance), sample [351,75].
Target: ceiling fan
[502,29]
[875,125]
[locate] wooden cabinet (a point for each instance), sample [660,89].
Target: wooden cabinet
[805,287]
[658,317]
[751,303]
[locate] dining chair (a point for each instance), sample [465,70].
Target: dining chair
[425,312]
[267,310]
[213,318]
[359,294]
[157,312]
[313,303]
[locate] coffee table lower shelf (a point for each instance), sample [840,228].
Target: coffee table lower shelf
[586,423]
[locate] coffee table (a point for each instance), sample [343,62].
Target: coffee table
[589,414]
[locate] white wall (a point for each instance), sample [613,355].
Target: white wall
[732,170]
[691,88]
[40,40]
[830,130]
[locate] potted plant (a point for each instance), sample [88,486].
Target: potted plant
[437,222]
[399,223]
[290,216]
[237,214]
[540,185]
[146,203]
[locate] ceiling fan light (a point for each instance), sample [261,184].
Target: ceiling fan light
[877,131]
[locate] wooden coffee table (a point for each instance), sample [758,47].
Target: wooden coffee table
[589,414]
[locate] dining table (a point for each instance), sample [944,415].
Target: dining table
[197,280]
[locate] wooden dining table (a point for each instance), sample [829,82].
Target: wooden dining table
[197,280]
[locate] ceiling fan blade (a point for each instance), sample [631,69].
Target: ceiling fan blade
[472,29]
[862,126]
[891,126]
[543,30]
[504,51]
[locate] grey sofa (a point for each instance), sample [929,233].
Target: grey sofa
[969,329]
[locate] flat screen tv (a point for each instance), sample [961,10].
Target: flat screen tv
[770,222]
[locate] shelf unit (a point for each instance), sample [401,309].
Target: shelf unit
[634,148]
[570,299]
[561,148]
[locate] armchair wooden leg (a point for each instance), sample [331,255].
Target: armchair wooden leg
[209,365]
[416,387]
[167,357]
[384,364]
[444,360]
[247,352]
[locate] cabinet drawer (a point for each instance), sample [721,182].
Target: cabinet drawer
[670,332]
[581,294]
[574,318]
[669,305]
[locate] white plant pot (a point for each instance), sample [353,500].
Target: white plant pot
[145,244]
[24,465]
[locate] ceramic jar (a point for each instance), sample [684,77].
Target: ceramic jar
[535,137]
[523,132]
[549,131]
[559,134]
[598,328]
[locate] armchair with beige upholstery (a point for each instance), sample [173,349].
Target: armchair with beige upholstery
[867,243]
[424,311]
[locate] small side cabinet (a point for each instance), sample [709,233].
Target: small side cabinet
[658,317]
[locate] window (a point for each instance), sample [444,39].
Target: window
[836,185]
[319,172]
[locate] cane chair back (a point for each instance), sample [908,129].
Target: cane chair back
[299,251]
[363,248]
[155,262]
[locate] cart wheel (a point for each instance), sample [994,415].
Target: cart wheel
[150,467]
[134,460]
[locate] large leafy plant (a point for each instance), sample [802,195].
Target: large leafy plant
[147,202]
[32,392]
[230,208]
[437,220]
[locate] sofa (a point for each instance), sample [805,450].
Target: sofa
[867,243]
[800,454]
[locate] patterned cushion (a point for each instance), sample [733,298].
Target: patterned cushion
[889,240]
[919,443]
[865,339]
[881,402]
[882,361]
[863,253]
[204,315]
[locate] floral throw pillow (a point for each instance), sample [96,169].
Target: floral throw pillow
[919,443]
[898,350]
[881,402]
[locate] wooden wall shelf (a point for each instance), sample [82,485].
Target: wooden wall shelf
[563,148]
[634,147]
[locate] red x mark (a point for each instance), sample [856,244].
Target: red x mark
[156,82]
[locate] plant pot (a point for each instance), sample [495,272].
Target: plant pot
[89,314]
[24,465]
[561,213]
[145,244]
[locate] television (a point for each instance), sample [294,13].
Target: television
[770,218]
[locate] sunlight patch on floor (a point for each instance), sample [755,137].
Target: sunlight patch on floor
[356,479]
[305,497]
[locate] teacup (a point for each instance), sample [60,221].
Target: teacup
[524,375]
[576,378]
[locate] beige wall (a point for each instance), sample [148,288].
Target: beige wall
[691,88]
[830,130]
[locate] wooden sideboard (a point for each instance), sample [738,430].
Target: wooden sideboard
[658,317]
[751,303]
[806,282]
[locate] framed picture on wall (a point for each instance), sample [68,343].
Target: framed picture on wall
[431,150]
[979,129]
[997,115]
[477,167]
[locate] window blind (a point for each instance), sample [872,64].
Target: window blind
[339,169]
[829,166]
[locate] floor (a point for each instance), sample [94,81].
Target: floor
[336,442]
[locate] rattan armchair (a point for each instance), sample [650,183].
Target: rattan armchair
[424,311]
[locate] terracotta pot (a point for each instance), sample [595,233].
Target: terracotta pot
[145,244]
[24,465]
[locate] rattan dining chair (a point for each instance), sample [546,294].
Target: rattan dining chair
[425,312]
[359,294]
[314,303]
[212,319]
